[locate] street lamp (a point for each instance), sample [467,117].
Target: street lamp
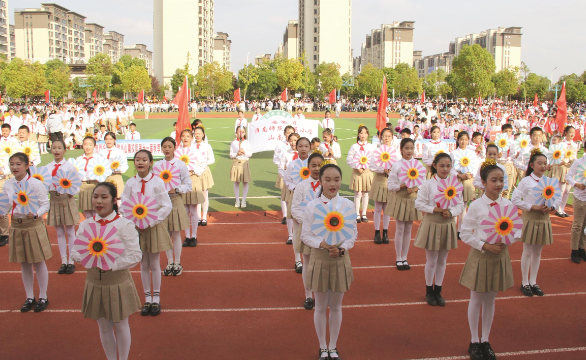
[553,88]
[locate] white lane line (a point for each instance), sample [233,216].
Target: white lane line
[513,353]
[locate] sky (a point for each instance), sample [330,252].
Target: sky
[552,30]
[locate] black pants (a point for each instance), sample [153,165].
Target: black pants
[56,136]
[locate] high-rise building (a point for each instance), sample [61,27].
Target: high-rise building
[388,46]
[140,51]
[291,40]
[12,42]
[94,39]
[114,45]
[4,29]
[222,52]
[76,37]
[182,27]
[325,29]
[262,58]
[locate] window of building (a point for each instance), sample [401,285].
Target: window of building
[315,30]
[314,57]
[315,20]
[314,39]
[315,11]
[314,2]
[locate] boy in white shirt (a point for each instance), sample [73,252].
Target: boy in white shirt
[132,134]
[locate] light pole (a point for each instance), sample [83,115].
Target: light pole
[553,88]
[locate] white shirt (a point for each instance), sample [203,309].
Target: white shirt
[426,202]
[509,155]
[12,186]
[393,183]
[428,148]
[256,117]
[335,147]
[301,191]
[155,188]
[284,160]
[300,117]
[327,124]
[236,146]
[288,178]
[204,158]
[63,165]
[279,149]
[112,153]
[86,161]
[523,196]
[186,184]
[132,135]
[125,232]
[240,122]
[478,211]
[312,240]
[570,179]
[15,122]
[478,181]
[519,161]
[356,148]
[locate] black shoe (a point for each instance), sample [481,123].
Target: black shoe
[459,236]
[28,305]
[289,240]
[582,254]
[475,351]
[168,269]
[192,242]
[400,265]
[324,351]
[41,305]
[385,237]
[559,214]
[358,219]
[336,352]
[308,305]
[488,352]
[377,239]
[284,221]
[199,223]
[437,291]
[204,223]
[430,296]
[406,265]
[575,257]
[186,242]
[155,309]
[298,267]
[70,269]
[364,219]
[566,215]
[62,269]
[3,240]
[536,290]
[526,290]
[146,309]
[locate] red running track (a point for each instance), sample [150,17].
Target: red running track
[240,298]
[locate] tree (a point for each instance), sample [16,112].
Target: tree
[135,79]
[472,72]
[506,82]
[370,81]
[408,83]
[23,78]
[156,88]
[289,73]
[267,83]
[391,75]
[212,79]
[349,91]
[307,77]
[575,88]
[524,72]
[534,84]
[247,76]
[328,74]
[179,76]
[58,78]
[99,71]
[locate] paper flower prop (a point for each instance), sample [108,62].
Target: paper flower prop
[555,154]
[449,189]
[98,169]
[412,173]
[502,141]
[119,163]
[6,201]
[334,221]
[569,154]
[168,173]
[141,210]
[522,141]
[311,195]
[42,174]
[30,149]
[79,164]
[98,246]
[438,149]
[361,159]
[9,147]
[547,191]
[299,171]
[465,161]
[188,156]
[26,201]
[67,182]
[581,174]
[502,224]
[385,156]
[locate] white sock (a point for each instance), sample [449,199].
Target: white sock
[525,263]
[145,276]
[188,230]
[62,242]
[205,206]
[430,265]
[237,190]
[319,317]
[364,204]
[297,257]
[476,300]
[487,314]
[123,339]
[378,210]
[406,239]
[28,279]
[174,254]
[565,195]
[194,220]
[155,267]
[308,292]
[42,278]
[284,208]
[535,261]
[290,226]
[461,218]
[244,191]
[107,337]
[335,317]
[386,220]
[357,199]
[71,239]
[399,231]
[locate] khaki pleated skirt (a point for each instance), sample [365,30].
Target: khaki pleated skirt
[325,273]
[428,174]
[559,172]
[240,171]
[469,193]
[124,122]
[177,219]
[289,201]
[379,190]
[110,295]
[437,233]
[117,180]
[401,206]
[207,180]
[63,210]
[195,196]
[155,239]
[279,183]
[286,194]
[32,137]
[486,272]
[43,138]
[536,228]
[28,241]
[361,183]
[299,246]
[85,196]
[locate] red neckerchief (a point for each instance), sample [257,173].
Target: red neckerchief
[436,142]
[87,161]
[132,135]
[537,180]
[493,204]
[198,145]
[14,202]
[108,157]
[296,156]
[327,146]
[361,146]
[103,222]
[54,173]
[143,187]
[314,186]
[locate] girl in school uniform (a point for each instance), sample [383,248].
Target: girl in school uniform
[303,145]
[43,137]
[401,206]
[193,197]
[178,220]
[438,232]
[330,148]
[286,194]
[537,229]
[63,213]
[309,186]
[328,289]
[560,171]
[379,192]
[110,297]
[361,181]
[28,240]
[488,268]
[240,153]
[467,179]
[110,152]
[282,148]
[155,238]
[87,186]
[535,142]
[579,204]
[429,147]
[205,158]
[492,152]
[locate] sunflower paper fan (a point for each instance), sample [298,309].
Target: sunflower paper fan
[99,246]
[412,173]
[569,154]
[188,156]
[31,149]
[67,182]
[385,156]
[141,210]
[6,201]
[547,191]
[98,169]
[42,174]
[119,163]
[8,147]
[25,200]
[450,189]
[361,159]
[522,141]
[78,164]
[465,161]
[168,173]
[438,149]
[311,195]
[555,154]
[334,221]
[502,224]
[503,142]
[299,171]
[581,174]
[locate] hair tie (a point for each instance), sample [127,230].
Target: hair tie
[323,163]
[488,162]
[535,151]
[317,151]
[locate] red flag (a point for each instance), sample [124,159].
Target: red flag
[47,96]
[547,126]
[562,114]
[333,97]
[182,100]
[95,95]
[493,107]
[422,95]
[237,95]
[164,98]
[527,112]
[535,101]
[141,97]
[284,95]
[381,116]
[479,100]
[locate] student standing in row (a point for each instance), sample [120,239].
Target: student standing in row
[110,152]
[193,197]
[430,147]
[467,179]
[560,171]
[87,186]
[240,153]
[205,158]
[286,194]
[361,180]
[329,148]
[577,242]
[281,148]
[506,159]
[380,193]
